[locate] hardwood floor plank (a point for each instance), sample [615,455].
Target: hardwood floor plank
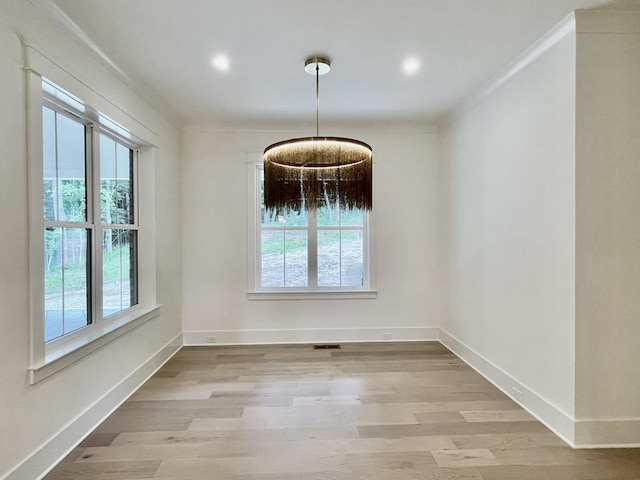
[98,440]
[358,446]
[263,436]
[540,456]
[205,468]
[312,400]
[116,424]
[434,473]
[185,408]
[179,391]
[465,458]
[336,476]
[498,416]
[268,476]
[439,417]
[507,440]
[385,461]
[194,470]
[607,471]
[466,428]
[136,470]
[178,450]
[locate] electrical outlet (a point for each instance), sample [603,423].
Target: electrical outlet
[212,339]
[517,394]
[387,336]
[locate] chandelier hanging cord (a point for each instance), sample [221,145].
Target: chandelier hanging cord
[317,99]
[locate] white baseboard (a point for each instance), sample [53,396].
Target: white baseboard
[608,433]
[44,458]
[310,335]
[554,418]
[582,433]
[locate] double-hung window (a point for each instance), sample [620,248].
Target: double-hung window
[86,262]
[90,227]
[312,251]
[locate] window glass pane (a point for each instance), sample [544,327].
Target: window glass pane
[281,217]
[119,266]
[329,258]
[50,175]
[328,215]
[334,216]
[351,218]
[124,178]
[351,258]
[284,258]
[71,169]
[340,260]
[295,263]
[116,182]
[53,283]
[64,168]
[272,249]
[67,291]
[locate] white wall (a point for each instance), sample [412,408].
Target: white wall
[38,423]
[215,278]
[608,228]
[540,217]
[508,176]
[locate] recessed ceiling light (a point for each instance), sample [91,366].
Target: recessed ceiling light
[221,63]
[410,66]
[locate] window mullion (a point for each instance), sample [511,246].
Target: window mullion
[366,259]
[97,232]
[312,249]
[257,224]
[136,189]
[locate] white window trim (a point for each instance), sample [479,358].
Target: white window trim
[254,162]
[48,358]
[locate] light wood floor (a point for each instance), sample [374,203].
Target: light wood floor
[388,411]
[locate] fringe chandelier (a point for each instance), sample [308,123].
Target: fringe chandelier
[306,173]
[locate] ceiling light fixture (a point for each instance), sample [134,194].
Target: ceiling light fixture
[410,66]
[221,62]
[305,173]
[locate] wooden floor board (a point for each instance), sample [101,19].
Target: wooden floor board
[365,411]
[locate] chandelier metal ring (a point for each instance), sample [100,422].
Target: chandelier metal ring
[318,152]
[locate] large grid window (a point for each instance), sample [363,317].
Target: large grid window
[90,225]
[324,249]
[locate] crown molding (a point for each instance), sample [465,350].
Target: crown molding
[542,46]
[54,13]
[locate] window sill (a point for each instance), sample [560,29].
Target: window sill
[310,295]
[60,357]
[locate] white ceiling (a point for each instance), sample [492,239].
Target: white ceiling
[165,48]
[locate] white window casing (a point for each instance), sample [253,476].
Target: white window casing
[48,357]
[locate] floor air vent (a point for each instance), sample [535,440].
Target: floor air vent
[327,346]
